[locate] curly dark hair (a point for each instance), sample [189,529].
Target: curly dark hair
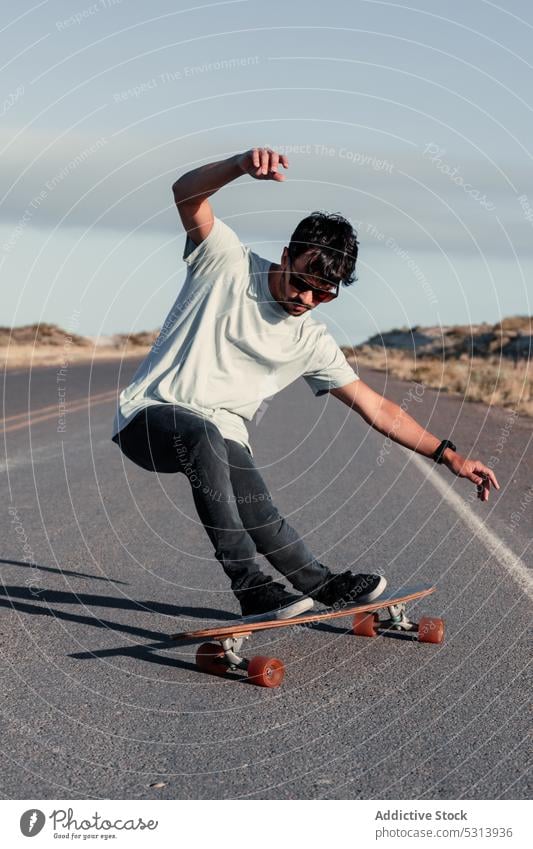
[335,243]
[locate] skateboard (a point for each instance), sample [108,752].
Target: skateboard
[223,655]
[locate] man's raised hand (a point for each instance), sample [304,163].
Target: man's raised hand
[475,471]
[262,163]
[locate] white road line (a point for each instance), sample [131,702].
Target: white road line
[510,561]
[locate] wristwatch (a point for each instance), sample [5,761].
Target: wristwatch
[437,455]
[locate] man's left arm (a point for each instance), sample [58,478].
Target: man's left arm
[391,420]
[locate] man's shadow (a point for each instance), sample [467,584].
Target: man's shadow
[34,600]
[70,572]
[37,593]
[140,651]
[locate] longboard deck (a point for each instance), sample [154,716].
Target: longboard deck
[241,627]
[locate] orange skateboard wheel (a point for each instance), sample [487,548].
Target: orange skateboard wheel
[431,630]
[210,658]
[364,624]
[266,671]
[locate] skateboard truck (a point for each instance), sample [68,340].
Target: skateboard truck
[398,620]
[231,646]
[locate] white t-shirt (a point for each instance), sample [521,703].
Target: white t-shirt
[227,344]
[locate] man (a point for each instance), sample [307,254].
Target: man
[241,330]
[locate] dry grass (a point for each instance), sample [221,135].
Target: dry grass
[493,380]
[45,344]
[31,356]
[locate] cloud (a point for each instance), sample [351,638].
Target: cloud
[424,199]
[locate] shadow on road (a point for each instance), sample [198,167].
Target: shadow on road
[145,652]
[10,598]
[17,599]
[61,571]
[41,594]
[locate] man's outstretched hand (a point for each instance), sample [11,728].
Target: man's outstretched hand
[262,163]
[474,470]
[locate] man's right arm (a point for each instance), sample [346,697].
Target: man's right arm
[192,190]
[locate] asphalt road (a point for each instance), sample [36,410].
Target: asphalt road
[102,560]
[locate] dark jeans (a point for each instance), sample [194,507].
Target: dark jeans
[230,495]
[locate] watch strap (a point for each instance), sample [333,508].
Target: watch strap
[437,455]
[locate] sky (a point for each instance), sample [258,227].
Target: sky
[413,120]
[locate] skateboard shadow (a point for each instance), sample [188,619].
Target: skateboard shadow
[146,653]
[40,594]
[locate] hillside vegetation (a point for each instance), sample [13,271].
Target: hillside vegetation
[484,362]
[49,345]
[489,363]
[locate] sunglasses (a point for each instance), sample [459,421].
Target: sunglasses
[322,294]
